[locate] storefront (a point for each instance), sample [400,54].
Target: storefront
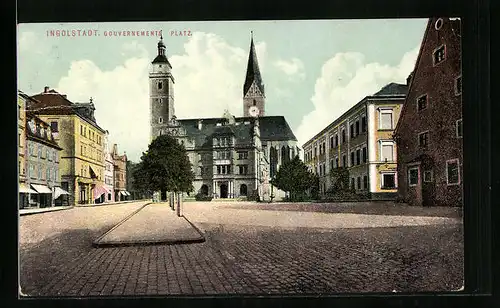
[43,198]
[24,195]
[99,193]
[61,197]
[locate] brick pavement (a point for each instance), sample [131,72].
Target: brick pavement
[246,259]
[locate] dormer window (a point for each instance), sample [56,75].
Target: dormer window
[439,55]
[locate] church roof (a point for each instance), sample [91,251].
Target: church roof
[272,128]
[253,71]
[161,59]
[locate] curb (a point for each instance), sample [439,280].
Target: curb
[95,243]
[109,203]
[47,211]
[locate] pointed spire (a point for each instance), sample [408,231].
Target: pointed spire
[253,71]
[162,54]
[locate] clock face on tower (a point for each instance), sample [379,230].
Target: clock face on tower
[253,111]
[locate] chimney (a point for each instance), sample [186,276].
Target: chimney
[45,89]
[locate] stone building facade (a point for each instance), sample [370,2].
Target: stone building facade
[42,163]
[75,129]
[119,175]
[429,133]
[361,140]
[231,157]
[109,170]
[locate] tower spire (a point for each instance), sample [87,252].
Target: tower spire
[253,71]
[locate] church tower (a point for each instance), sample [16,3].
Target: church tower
[253,89]
[161,91]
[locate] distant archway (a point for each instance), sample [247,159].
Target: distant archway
[243,190]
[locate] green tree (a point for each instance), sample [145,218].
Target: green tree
[340,179]
[165,167]
[294,177]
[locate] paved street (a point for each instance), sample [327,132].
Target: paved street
[249,249]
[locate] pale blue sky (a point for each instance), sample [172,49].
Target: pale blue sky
[312,70]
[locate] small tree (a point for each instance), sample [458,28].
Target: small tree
[340,179]
[165,166]
[293,177]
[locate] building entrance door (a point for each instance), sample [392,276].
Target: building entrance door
[223,191]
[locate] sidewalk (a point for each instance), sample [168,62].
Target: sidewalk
[43,210]
[111,203]
[155,223]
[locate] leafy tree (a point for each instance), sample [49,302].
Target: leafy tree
[294,177]
[165,167]
[139,178]
[340,179]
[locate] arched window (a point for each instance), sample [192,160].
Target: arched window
[204,190]
[243,190]
[273,161]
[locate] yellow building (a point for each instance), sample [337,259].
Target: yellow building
[76,131]
[361,140]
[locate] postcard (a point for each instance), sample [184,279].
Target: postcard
[240,157]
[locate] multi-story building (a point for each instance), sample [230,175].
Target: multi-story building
[361,140]
[231,156]
[77,132]
[42,163]
[429,133]
[109,171]
[119,175]
[24,189]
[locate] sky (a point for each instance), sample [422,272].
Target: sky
[313,70]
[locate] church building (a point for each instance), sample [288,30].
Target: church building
[231,157]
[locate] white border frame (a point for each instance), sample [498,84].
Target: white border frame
[418,175]
[445,54]
[385,110]
[432,176]
[382,173]
[426,102]
[446,171]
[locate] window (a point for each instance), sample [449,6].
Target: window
[336,162]
[39,150]
[365,182]
[357,127]
[386,150]
[413,176]
[458,85]
[243,190]
[388,180]
[423,139]
[223,155]
[428,175]
[459,129]
[315,152]
[160,120]
[358,157]
[363,124]
[49,154]
[331,164]
[439,55]
[160,85]
[359,182]
[40,173]
[452,172]
[243,169]
[385,119]
[343,135]
[352,158]
[19,111]
[31,171]
[336,140]
[81,130]
[331,142]
[351,131]
[422,102]
[344,162]
[352,183]
[54,126]
[364,155]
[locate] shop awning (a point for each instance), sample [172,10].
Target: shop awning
[99,190]
[41,189]
[23,188]
[128,194]
[58,191]
[123,193]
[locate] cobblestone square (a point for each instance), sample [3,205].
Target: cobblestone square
[250,249]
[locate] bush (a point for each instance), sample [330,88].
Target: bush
[201,197]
